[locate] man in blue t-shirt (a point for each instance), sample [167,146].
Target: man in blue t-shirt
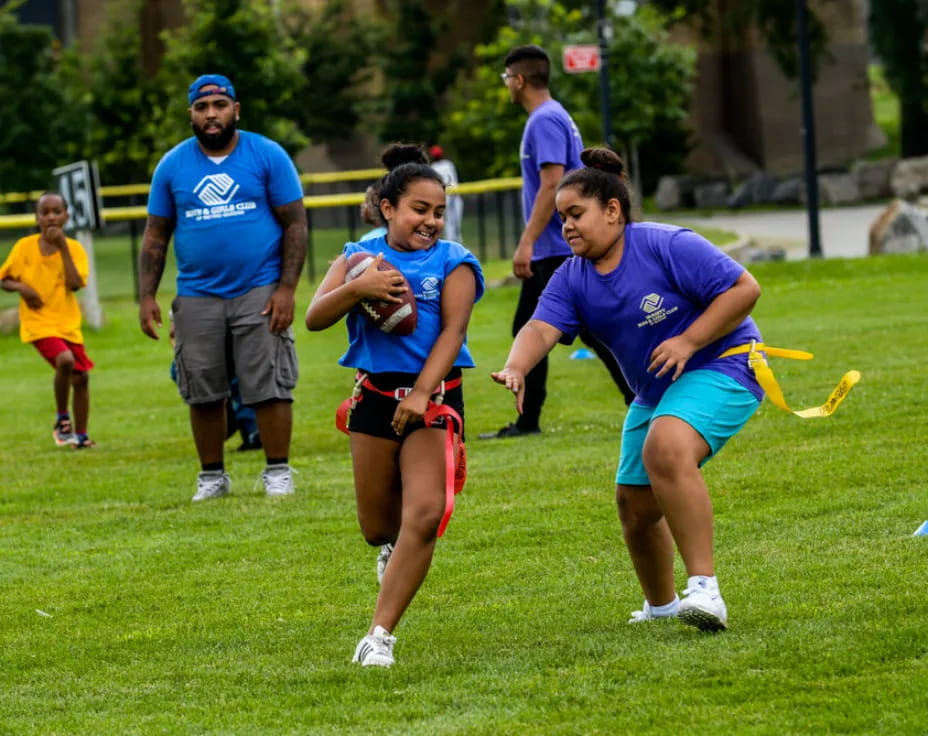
[551,146]
[234,203]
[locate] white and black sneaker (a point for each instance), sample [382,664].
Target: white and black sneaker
[212,484]
[278,480]
[703,606]
[383,557]
[376,649]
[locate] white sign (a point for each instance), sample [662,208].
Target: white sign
[581,59]
[79,184]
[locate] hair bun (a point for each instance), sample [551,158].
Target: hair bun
[397,154]
[602,159]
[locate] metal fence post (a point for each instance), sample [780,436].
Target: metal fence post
[482,226]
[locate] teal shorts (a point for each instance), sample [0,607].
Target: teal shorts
[713,404]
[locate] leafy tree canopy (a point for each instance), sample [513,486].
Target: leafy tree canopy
[898,29]
[337,68]
[246,42]
[38,126]
[649,80]
[118,97]
[415,78]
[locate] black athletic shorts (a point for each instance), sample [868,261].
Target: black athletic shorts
[373,414]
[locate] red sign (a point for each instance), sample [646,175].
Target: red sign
[581,59]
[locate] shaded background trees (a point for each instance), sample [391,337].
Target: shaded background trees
[899,31]
[402,69]
[40,119]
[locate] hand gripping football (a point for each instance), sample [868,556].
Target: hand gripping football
[395,318]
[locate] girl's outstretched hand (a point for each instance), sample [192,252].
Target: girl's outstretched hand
[514,381]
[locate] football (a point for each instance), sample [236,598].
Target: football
[393,318]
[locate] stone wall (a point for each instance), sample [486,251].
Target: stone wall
[746,114]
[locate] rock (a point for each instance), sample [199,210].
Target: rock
[758,188]
[674,192]
[711,196]
[910,177]
[9,321]
[901,228]
[873,178]
[838,189]
[788,191]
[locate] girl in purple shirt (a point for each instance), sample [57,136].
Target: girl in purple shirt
[667,303]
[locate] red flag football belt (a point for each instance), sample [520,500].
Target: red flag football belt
[455,469]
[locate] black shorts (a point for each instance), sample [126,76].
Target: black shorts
[373,413]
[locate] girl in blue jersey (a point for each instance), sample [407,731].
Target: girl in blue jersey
[667,303]
[399,462]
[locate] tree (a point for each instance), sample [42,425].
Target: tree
[898,29]
[414,78]
[648,98]
[775,19]
[39,118]
[119,98]
[248,43]
[339,50]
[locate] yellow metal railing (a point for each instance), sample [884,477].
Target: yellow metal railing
[317,201]
[127,190]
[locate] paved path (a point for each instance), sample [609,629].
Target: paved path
[843,230]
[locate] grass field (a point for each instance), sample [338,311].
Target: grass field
[125,609]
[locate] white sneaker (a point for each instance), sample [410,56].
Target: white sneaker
[375,649]
[647,614]
[278,480]
[383,557]
[703,608]
[212,484]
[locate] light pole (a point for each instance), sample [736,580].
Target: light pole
[606,106]
[808,129]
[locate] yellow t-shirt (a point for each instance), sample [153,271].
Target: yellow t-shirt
[60,315]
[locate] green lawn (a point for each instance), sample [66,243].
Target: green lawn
[125,609]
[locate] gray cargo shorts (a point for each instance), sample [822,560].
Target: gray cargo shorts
[218,339]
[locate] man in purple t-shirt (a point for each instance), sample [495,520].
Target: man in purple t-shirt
[551,146]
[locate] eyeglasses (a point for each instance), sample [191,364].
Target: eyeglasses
[506,75]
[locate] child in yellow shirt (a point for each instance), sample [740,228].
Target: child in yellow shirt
[46,269]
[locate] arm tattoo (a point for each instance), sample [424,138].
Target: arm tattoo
[292,218]
[155,241]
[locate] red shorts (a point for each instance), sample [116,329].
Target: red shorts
[52,347]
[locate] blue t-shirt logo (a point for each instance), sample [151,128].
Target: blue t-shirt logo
[216,189]
[651,303]
[429,289]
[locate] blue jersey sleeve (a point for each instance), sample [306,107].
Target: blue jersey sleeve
[283,182]
[458,254]
[160,198]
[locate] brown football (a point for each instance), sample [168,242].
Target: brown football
[393,318]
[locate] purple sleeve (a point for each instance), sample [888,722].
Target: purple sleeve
[556,304]
[700,270]
[549,142]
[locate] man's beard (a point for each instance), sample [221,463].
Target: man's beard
[214,141]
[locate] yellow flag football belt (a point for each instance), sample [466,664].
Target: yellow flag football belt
[768,382]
